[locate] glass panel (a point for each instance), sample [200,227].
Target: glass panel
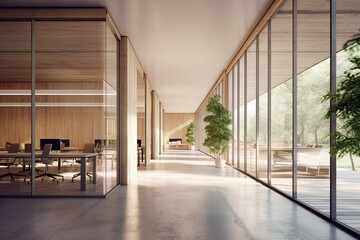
[230,107]
[15,102]
[73,105]
[235,116]
[281,99]
[242,113]
[251,110]
[111,120]
[313,69]
[348,188]
[263,104]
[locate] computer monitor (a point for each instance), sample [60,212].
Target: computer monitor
[139,142]
[56,143]
[66,142]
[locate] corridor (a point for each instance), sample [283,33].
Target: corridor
[180,196]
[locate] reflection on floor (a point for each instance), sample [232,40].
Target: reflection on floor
[180,196]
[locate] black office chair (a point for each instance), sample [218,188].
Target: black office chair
[13,148]
[48,161]
[88,148]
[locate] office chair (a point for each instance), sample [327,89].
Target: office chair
[88,148]
[13,148]
[7,146]
[48,161]
[27,161]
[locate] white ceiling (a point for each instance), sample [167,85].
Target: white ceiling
[182,45]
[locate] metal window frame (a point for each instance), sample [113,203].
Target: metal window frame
[333,213]
[238,114]
[269,155]
[257,109]
[245,111]
[294,99]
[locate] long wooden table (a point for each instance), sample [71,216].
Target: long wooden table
[82,156]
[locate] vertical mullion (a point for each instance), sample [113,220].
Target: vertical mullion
[294,100]
[118,100]
[245,111]
[238,114]
[233,117]
[333,116]
[269,155]
[33,107]
[257,110]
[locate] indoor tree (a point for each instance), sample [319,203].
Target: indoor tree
[190,134]
[218,133]
[346,106]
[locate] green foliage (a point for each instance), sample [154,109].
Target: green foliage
[218,133]
[190,134]
[346,105]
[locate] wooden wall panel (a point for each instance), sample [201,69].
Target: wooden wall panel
[70,36]
[175,125]
[15,36]
[141,127]
[148,135]
[155,125]
[161,134]
[53,13]
[76,13]
[80,124]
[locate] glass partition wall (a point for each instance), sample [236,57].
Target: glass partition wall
[275,94]
[15,102]
[76,92]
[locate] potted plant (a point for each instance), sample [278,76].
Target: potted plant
[346,106]
[218,133]
[190,135]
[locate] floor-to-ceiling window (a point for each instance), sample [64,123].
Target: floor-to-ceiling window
[241,99]
[235,111]
[263,105]
[230,103]
[251,110]
[291,63]
[281,98]
[313,82]
[347,167]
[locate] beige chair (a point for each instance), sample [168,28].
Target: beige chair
[48,161]
[88,148]
[13,148]
[27,161]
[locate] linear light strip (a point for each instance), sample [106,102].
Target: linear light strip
[56,104]
[58,92]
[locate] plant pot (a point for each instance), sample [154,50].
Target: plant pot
[192,147]
[219,163]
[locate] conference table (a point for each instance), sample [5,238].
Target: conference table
[82,156]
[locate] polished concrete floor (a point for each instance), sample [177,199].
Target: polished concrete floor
[181,196]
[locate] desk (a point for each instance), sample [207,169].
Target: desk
[82,156]
[178,146]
